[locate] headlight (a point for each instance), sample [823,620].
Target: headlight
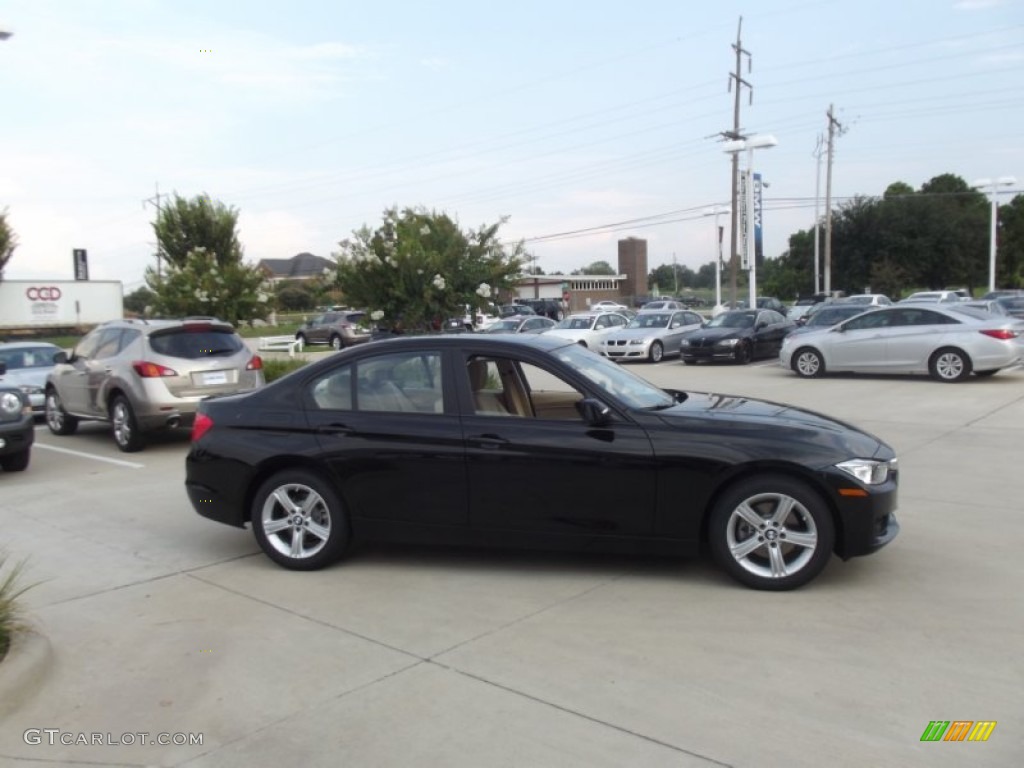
[28,389]
[868,471]
[10,404]
[727,343]
[638,341]
[684,343]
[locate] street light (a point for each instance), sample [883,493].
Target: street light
[750,144]
[716,211]
[992,186]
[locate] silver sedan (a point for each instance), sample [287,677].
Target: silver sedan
[947,342]
[650,336]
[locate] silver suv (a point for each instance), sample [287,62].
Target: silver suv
[337,328]
[143,375]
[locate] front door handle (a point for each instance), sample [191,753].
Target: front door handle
[334,429]
[488,441]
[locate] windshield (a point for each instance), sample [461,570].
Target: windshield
[732,320]
[610,377]
[28,357]
[576,323]
[504,325]
[650,320]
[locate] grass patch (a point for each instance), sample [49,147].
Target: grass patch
[10,590]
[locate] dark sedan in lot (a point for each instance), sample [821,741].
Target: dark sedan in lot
[535,442]
[17,429]
[739,335]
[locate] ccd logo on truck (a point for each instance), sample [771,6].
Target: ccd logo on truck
[43,293]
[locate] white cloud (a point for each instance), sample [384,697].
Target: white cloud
[975,5]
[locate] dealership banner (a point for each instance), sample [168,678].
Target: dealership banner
[758,245]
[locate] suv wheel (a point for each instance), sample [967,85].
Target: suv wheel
[126,427]
[58,420]
[336,342]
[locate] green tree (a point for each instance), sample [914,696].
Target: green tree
[184,225]
[1010,240]
[204,273]
[295,296]
[418,268]
[140,300]
[8,242]
[596,268]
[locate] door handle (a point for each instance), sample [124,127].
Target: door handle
[334,429]
[488,441]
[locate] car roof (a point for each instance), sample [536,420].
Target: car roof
[26,344]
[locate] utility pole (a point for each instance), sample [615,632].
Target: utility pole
[155,202]
[818,152]
[735,135]
[675,276]
[834,126]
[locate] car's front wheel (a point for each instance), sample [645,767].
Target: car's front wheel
[657,352]
[16,462]
[301,338]
[127,434]
[807,362]
[58,420]
[299,520]
[771,532]
[336,342]
[949,364]
[743,353]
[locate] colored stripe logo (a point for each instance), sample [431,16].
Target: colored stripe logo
[958,730]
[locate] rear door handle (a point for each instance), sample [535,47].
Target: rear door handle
[488,441]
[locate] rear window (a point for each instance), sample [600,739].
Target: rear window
[193,344]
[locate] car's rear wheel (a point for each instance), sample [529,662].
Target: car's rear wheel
[299,520]
[771,532]
[336,342]
[657,352]
[58,420]
[949,364]
[807,362]
[743,353]
[16,462]
[127,434]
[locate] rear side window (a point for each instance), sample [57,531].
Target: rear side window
[191,344]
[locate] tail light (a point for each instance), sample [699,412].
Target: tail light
[201,426]
[149,370]
[1003,334]
[256,364]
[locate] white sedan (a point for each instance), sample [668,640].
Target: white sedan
[588,328]
[949,342]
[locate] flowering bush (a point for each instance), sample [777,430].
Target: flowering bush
[418,269]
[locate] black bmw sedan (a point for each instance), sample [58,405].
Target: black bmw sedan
[739,335]
[535,442]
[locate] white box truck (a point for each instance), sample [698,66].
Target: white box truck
[51,304]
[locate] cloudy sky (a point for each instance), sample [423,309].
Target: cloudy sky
[583,123]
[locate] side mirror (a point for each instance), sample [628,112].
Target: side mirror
[59,358]
[594,412]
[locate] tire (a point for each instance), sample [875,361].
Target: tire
[743,353]
[301,338]
[761,552]
[58,420]
[657,353]
[985,374]
[808,363]
[949,365]
[298,500]
[689,361]
[127,434]
[336,342]
[16,462]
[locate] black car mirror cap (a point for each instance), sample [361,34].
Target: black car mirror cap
[594,412]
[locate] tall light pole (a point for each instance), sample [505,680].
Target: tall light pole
[716,211]
[750,144]
[992,186]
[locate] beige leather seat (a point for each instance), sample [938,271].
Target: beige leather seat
[484,401]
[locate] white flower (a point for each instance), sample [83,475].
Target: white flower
[419,271]
[424,230]
[484,291]
[439,282]
[327,270]
[377,314]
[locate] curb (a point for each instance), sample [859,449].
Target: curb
[24,668]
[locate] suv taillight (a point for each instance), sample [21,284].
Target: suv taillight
[256,364]
[149,370]
[201,426]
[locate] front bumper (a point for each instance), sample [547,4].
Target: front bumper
[708,353]
[866,523]
[17,436]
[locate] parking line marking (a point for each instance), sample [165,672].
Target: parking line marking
[119,462]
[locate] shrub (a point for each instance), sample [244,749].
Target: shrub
[275,369]
[10,591]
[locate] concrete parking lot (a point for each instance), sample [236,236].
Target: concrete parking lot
[164,623]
